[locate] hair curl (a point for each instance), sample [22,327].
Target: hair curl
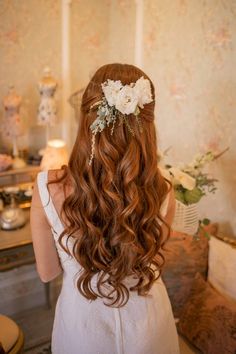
[113,214]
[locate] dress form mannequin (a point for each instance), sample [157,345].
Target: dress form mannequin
[12,124]
[47,111]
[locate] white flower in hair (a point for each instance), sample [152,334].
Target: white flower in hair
[142,89]
[127,100]
[118,98]
[111,89]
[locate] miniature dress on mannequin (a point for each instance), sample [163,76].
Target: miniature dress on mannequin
[47,111]
[12,123]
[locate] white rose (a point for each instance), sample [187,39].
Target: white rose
[182,178]
[165,173]
[190,169]
[127,100]
[111,89]
[143,91]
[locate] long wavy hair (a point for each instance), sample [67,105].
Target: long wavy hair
[113,214]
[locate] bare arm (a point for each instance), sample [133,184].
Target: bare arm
[47,260]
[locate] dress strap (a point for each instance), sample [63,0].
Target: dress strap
[50,211]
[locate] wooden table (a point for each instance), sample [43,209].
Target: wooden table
[16,250]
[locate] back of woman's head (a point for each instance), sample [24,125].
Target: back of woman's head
[113,214]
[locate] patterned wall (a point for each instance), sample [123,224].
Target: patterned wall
[121,31]
[29,41]
[189,51]
[89,33]
[89,43]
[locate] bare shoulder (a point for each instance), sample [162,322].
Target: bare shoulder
[59,187]
[55,182]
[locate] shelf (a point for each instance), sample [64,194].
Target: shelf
[17,171]
[18,176]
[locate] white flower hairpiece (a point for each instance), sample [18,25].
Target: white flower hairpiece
[118,102]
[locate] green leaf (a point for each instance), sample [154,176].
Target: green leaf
[179,195]
[206,221]
[193,196]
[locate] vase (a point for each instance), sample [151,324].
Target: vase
[186,218]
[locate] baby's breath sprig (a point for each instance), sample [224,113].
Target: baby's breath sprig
[128,125]
[92,148]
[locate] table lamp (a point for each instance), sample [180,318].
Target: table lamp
[55,155]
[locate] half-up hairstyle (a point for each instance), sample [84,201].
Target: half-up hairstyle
[113,214]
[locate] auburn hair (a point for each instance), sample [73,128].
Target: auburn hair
[113,214]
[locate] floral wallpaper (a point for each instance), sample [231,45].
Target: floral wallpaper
[89,32]
[89,43]
[121,31]
[189,51]
[29,41]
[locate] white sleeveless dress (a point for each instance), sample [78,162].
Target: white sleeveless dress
[145,325]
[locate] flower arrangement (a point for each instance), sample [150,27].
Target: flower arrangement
[190,182]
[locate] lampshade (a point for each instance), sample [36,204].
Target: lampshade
[55,155]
